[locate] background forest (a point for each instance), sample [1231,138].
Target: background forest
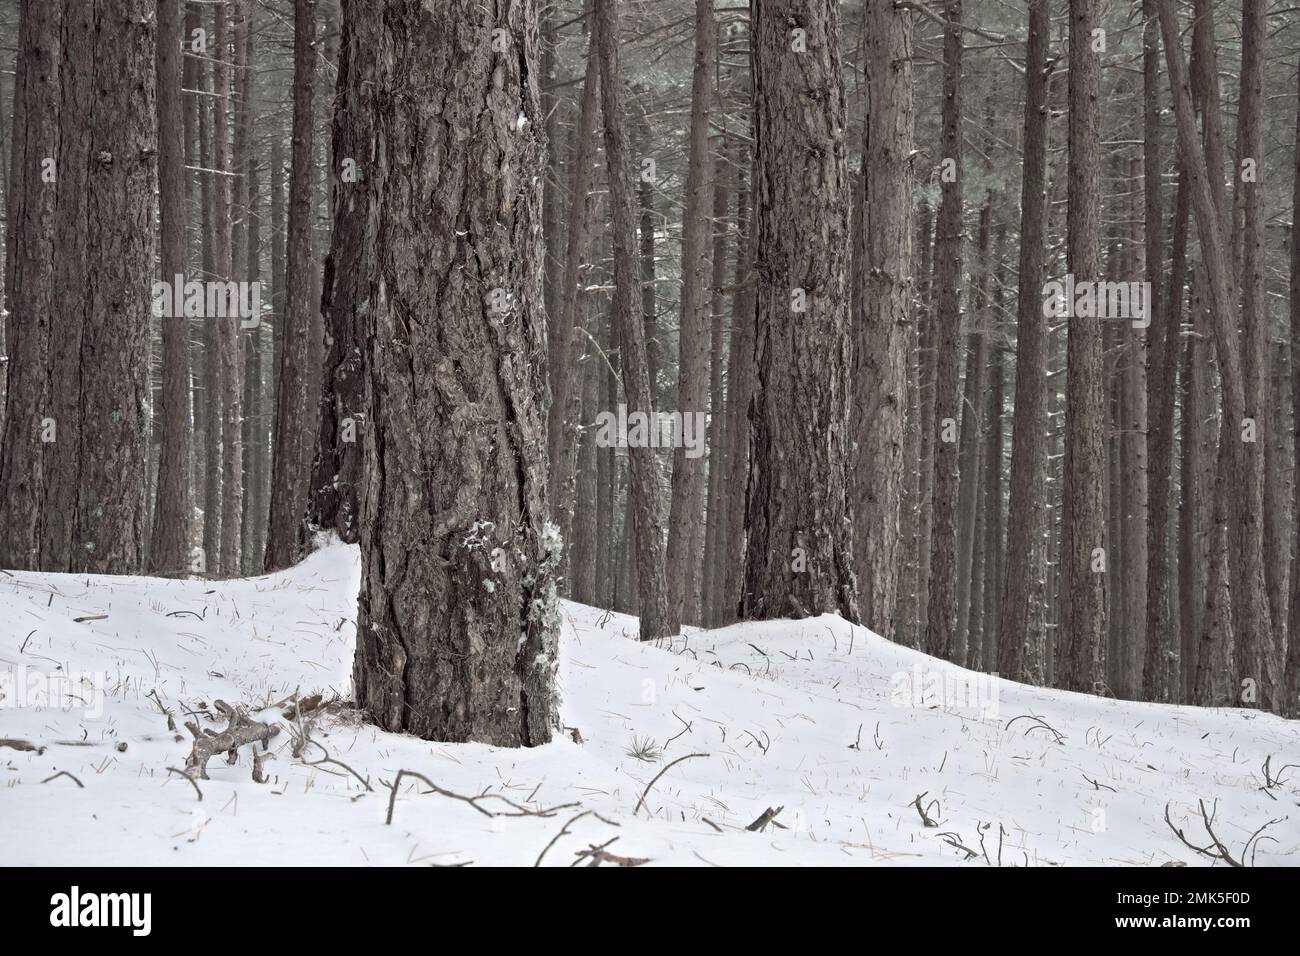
[1105,506]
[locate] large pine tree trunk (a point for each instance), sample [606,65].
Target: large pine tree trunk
[693,336]
[642,495]
[884,279]
[336,472]
[798,558]
[288,480]
[458,617]
[30,282]
[1082,591]
[94,503]
[941,608]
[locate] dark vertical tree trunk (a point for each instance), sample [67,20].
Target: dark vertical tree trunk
[288,482]
[1134,430]
[209,406]
[254,392]
[994,560]
[798,557]
[688,474]
[458,617]
[228,327]
[566,330]
[582,554]
[1292,673]
[647,223]
[29,289]
[1165,312]
[693,336]
[919,543]
[740,389]
[104,235]
[1242,461]
[607,557]
[941,607]
[1181,641]
[716,540]
[169,551]
[336,472]
[642,495]
[883,279]
[973,388]
[1082,592]
[1262,649]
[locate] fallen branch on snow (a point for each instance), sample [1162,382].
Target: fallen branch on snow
[516,810]
[241,730]
[1217,849]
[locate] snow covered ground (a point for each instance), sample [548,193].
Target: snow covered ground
[839,727]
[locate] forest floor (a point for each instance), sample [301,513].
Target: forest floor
[874,753]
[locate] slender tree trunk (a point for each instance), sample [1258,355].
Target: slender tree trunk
[288,483]
[881,337]
[969,450]
[717,536]
[925,414]
[169,552]
[1266,646]
[607,537]
[1133,438]
[941,616]
[30,291]
[228,326]
[647,525]
[255,448]
[210,405]
[994,561]
[1292,674]
[1243,460]
[1184,611]
[458,618]
[1165,314]
[582,555]
[740,389]
[566,329]
[693,337]
[1083,611]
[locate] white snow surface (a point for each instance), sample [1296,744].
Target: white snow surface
[812,716]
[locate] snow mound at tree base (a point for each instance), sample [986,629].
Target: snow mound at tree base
[874,753]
